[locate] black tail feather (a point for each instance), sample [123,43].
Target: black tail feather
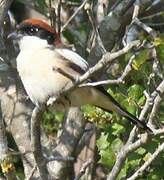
[122,111]
[137,122]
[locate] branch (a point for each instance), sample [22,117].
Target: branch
[130,145]
[146,28]
[71,133]
[92,20]
[83,169]
[101,10]
[136,9]
[32,172]
[36,142]
[119,80]
[155,109]
[147,163]
[107,59]
[59,158]
[52,14]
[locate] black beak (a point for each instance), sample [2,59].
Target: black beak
[14,36]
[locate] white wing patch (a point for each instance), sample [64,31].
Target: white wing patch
[73,57]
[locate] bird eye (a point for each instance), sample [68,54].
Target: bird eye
[34,30]
[31,30]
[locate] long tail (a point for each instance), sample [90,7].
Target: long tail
[112,105]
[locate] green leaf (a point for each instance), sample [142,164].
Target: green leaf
[107,157]
[52,121]
[135,92]
[123,172]
[132,107]
[140,151]
[141,100]
[59,116]
[140,59]
[147,156]
[157,41]
[102,142]
[117,129]
[155,173]
[134,163]
[160,47]
[116,145]
[41,5]
[120,98]
[69,36]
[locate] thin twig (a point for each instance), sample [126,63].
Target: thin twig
[136,9]
[119,80]
[158,131]
[59,158]
[74,14]
[59,16]
[155,109]
[146,28]
[32,172]
[147,163]
[152,15]
[107,59]
[83,169]
[90,15]
[14,153]
[52,14]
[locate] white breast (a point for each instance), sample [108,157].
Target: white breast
[35,64]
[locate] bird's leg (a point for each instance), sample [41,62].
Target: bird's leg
[52,100]
[59,103]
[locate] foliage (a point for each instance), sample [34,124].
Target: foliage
[52,121]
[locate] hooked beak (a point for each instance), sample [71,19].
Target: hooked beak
[14,36]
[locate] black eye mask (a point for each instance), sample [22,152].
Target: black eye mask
[32,30]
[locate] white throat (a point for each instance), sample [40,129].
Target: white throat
[32,42]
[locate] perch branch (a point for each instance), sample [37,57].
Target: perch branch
[36,142]
[107,59]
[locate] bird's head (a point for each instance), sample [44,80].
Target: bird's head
[36,28]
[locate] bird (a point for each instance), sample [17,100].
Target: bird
[41,54]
